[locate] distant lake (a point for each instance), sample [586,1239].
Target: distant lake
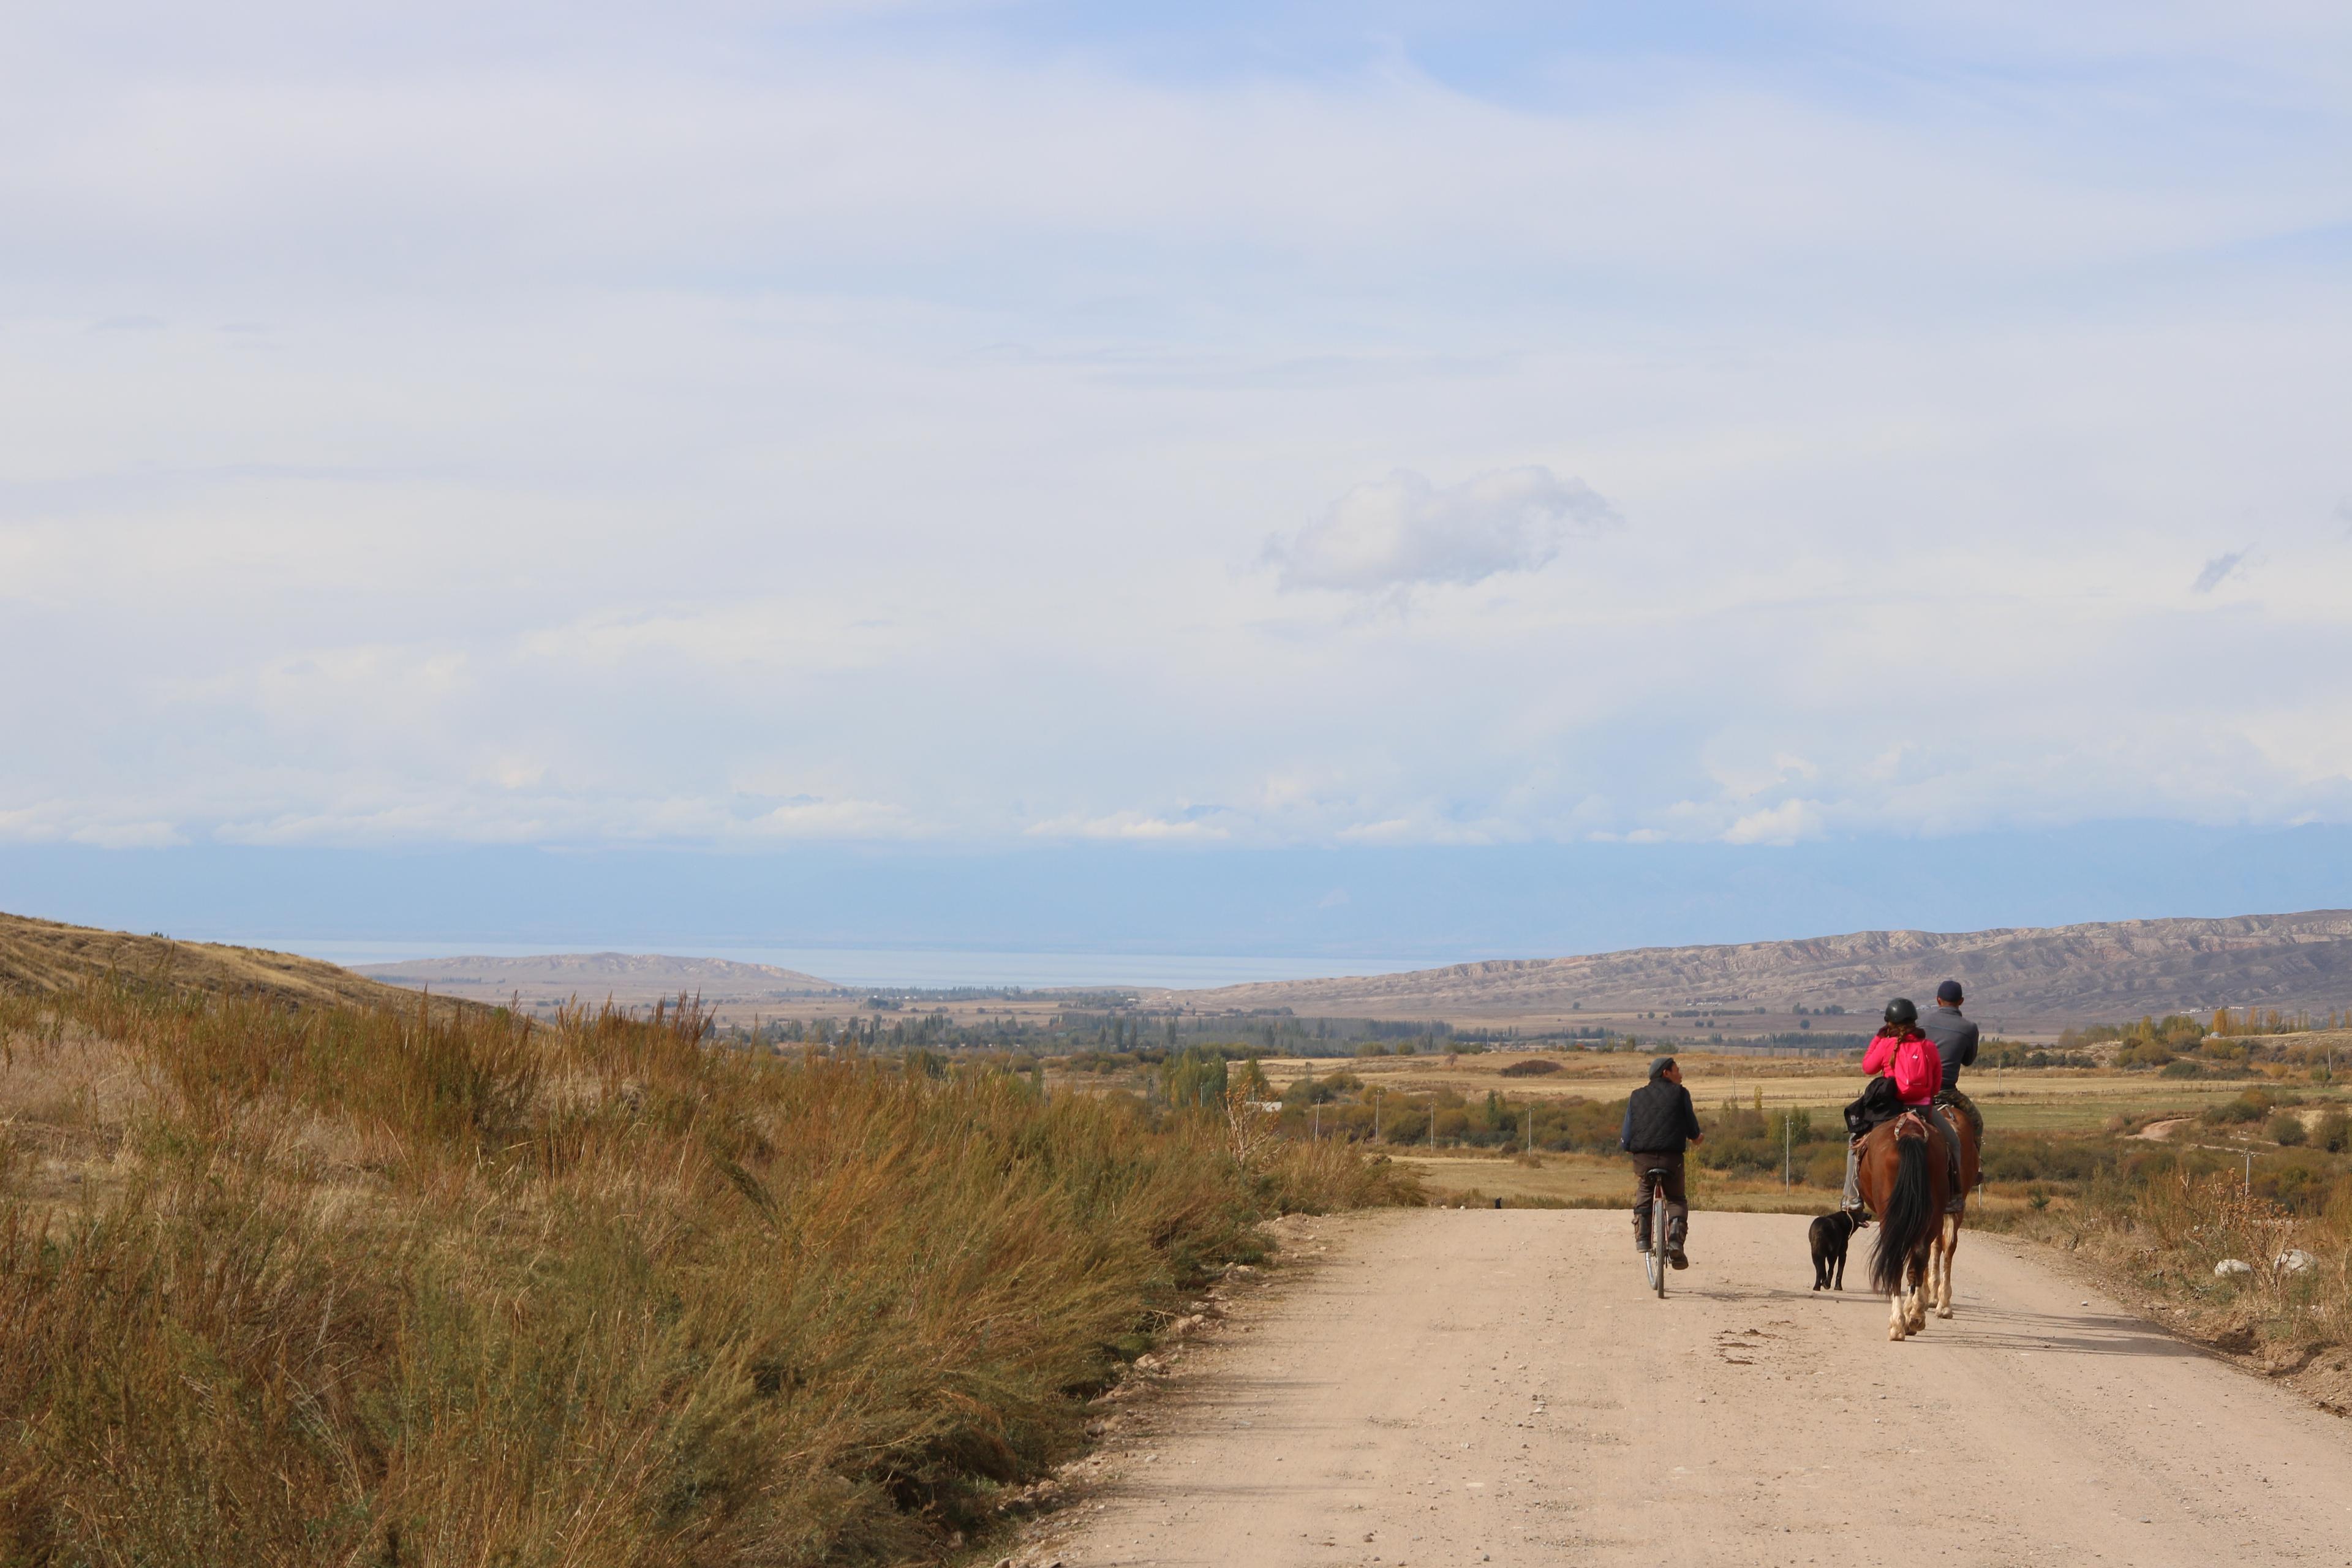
[901,966]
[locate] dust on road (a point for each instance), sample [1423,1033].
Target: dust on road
[1464,1387]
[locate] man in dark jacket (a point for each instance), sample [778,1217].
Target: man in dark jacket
[1659,1118]
[1956,1043]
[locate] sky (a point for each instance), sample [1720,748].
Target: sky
[941,430]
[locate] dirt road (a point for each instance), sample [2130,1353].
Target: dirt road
[1441,1387]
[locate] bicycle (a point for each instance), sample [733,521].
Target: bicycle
[1655,1260]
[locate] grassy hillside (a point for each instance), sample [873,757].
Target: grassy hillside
[350,1285]
[38,955]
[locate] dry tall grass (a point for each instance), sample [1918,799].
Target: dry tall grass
[2163,1219]
[344,1286]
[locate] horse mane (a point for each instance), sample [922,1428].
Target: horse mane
[1909,1218]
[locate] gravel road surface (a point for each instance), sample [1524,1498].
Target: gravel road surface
[1439,1387]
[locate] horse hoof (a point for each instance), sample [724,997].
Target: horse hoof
[1943,1311]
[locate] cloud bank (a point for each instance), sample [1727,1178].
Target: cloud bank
[1404,532]
[736,428]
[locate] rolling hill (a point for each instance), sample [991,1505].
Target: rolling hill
[2108,969]
[624,977]
[44,956]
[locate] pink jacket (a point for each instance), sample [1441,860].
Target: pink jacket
[1879,1059]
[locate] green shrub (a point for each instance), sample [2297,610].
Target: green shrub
[1824,1167]
[2023,1157]
[2334,1132]
[2250,1106]
[2286,1129]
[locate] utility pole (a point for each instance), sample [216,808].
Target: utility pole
[2250,1172]
[1527,1143]
[1788,1149]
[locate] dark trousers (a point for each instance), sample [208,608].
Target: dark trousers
[1677,1202]
[1966,1107]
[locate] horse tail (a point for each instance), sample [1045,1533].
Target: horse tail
[1908,1221]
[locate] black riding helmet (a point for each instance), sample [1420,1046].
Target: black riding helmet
[1901,1011]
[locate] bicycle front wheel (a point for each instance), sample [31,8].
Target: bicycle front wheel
[1658,1242]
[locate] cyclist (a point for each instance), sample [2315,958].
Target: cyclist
[1918,1073]
[1659,1118]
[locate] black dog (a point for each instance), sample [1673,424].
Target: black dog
[1829,1234]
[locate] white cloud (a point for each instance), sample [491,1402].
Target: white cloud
[130,835]
[1134,826]
[1784,824]
[1404,532]
[855,819]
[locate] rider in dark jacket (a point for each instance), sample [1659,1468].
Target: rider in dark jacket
[1659,1118]
[1956,1046]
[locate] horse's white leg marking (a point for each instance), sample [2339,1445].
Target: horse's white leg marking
[1948,1241]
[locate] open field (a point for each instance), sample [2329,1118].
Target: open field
[1594,1181]
[2040,1100]
[1605,1181]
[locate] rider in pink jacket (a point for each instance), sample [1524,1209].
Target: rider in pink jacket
[1879,1059]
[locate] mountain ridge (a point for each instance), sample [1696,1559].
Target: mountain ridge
[2094,969]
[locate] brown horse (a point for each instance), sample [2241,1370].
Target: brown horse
[1902,1169]
[1948,1240]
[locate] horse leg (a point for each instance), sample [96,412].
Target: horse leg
[1897,1319]
[1914,1300]
[1946,1244]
